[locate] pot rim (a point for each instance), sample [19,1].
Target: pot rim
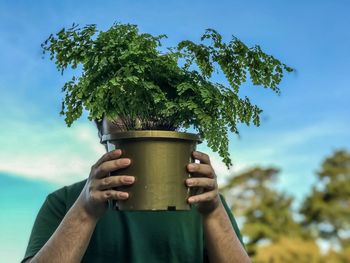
[150,134]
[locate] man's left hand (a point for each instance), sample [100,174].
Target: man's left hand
[203,176]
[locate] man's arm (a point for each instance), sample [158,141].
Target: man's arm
[222,242]
[70,240]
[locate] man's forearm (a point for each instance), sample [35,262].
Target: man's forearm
[222,242]
[70,240]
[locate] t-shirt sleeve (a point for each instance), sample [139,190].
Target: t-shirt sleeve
[48,219]
[232,219]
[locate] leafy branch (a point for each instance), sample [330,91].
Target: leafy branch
[125,74]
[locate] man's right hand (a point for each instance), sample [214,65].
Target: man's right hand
[99,187]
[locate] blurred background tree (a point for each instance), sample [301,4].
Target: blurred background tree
[289,250]
[266,213]
[274,232]
[341,256]
[327,209]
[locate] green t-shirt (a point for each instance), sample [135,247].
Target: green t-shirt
[125,236]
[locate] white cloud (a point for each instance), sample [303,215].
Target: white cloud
[288,147]
[223,173]
[297,153]
[48,150]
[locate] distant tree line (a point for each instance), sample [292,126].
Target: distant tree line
[275,231]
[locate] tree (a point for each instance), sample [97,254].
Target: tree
[332,256]
[266,212]
[290,250]
[327,209]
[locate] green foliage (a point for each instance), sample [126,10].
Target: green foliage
[327,208]
[268,222]
[125,74]
[290,250]
[332,256]
[267,213]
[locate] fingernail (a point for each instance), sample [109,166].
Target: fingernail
[191,166]
[191,199]
[129,179]
[126,161]
[189,182]
[123,195]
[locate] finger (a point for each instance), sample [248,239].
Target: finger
[205,197]
[111,194]
[202,157]
[201,170]
[114,181]
[109,166]
[109,156]
[206,183]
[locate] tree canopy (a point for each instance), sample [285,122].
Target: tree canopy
[274,232]
[266,212]
[327,208]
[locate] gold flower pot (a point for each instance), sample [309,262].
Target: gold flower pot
[158,163]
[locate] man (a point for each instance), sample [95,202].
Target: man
[75,224]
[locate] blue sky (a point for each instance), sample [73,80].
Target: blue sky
[299,129]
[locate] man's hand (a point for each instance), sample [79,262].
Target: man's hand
[99,187]
[222,242]
[203,176]
[71,238]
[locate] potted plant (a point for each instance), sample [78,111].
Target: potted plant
[155,92]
